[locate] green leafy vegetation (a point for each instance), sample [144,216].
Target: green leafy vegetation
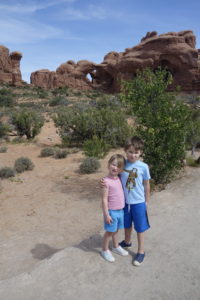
[27,123]
[162,122]
[80,123]
[7,97]
[96,147]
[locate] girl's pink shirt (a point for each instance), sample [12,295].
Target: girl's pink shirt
[115,193]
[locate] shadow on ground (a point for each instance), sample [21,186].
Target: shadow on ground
[91,244]
[43,251]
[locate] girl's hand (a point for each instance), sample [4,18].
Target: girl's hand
[108,219]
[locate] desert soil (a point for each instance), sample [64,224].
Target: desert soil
[51,219]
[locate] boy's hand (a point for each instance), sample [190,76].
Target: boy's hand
[108,219]
[102,183]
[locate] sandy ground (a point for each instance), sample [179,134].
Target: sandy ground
[51,232]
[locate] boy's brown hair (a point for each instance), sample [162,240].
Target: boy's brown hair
[134,141]
[119,158]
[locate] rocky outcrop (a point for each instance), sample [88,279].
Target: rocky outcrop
[68,74]
[174,50]
[10,66]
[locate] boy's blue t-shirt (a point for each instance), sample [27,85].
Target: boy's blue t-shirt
[132,181]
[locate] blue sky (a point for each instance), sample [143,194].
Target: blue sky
[50,32]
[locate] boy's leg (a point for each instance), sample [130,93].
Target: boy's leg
[106,238]
[140,238]
[127,233]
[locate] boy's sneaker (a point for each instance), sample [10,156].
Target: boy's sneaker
[119,250]
[123,244]
[107,255]
[138,259]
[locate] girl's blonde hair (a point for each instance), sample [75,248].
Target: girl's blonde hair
[120,160]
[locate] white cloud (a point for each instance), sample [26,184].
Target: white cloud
[15,31]
[31,6]
[92,12]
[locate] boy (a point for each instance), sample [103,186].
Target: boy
[135,182]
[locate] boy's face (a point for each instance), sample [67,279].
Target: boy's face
[133,154]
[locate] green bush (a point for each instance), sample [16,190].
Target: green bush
[18,140]
[6,172]
[60,153]
[7,98]
[58,100]
[61,91]
[162,122]
[4,129]
[48,151]
[193,134]
[27,123]
[3,149]
[89,165]
[77,124]
[96,147]
[23,164]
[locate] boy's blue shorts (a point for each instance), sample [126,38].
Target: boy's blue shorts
[136,214]
[117,220]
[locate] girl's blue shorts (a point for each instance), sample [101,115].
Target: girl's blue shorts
[136,214]
[117,220]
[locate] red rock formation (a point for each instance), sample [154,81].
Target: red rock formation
[68,74]
[174,51]
[10,66]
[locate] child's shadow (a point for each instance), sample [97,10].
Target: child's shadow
[94,244]
[91,244]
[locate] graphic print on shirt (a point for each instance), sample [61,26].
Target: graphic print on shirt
[130,183]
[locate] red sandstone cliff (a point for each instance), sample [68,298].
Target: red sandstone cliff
[10,66]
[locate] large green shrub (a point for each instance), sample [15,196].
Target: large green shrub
[77,124]
[7,98]
[162,121]
[27,123]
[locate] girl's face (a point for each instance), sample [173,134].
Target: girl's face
[113,168]
[132,154]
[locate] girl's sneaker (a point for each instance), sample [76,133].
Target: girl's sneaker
[107,255]
[119,250]
[138,260]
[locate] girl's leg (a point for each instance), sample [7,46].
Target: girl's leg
[127,232]
[140,238]
[115,239]
[106,238]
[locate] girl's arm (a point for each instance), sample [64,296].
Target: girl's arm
[107,217]
[146,190]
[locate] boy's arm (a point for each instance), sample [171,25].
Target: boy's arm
[146,184]
[105,205]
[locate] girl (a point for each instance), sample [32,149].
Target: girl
[112,204]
